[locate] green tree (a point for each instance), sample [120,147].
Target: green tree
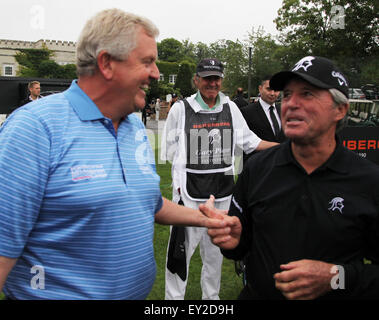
[202,51]
[70,71]
[30,60]
[342,30]
[266,56]
[184,79]
[153,91]
[234,56]
[189,51]
[369,71]
[37,63]
[170,50]
[51,69]
[159,89]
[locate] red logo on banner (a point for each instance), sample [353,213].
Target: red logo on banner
[361,144]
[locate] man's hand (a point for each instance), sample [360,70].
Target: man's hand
[225,237]
[211,211]
[212,215]
[304,279]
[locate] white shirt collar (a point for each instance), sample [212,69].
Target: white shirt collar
[198,108]
[266,109]
[265,105]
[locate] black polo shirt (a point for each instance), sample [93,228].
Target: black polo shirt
[329,215]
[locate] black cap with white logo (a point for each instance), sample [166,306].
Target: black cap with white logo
[210,67]
[318,71]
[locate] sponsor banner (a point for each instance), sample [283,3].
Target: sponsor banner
[362,140]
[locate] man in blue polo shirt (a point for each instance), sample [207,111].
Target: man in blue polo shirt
[79,193]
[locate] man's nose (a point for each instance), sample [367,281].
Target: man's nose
[155,72]
[291,101]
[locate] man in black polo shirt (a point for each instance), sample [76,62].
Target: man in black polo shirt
[305,213]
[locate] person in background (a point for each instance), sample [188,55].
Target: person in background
[263,116]
[174,98]
[157,108]
[239,100]
[202,169]
[306,213]
[34,88]
[144,113]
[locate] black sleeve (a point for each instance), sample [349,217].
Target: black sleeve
[362,278]
[238,208]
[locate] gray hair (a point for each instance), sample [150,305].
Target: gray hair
[113,31]
[338,99]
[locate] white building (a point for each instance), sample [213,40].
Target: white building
[63,53]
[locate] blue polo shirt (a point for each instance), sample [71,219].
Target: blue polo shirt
[77,202]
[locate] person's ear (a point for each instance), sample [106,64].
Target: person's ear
[105,64]
[342,110]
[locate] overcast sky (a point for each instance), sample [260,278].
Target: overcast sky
[197,20]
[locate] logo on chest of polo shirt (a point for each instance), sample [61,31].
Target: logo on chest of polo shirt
[85,172]
[336,204]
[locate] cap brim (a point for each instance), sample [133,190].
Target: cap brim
[279,80]
[204,74]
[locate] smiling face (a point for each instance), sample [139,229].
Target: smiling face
[209,88]
[133,75]
[309,113]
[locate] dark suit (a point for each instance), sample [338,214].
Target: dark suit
[257,121]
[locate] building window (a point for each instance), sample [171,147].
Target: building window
[161,77]
[172,78]
[8,70]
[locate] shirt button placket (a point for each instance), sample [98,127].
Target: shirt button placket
[109,125]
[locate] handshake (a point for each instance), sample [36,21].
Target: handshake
[225,231]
